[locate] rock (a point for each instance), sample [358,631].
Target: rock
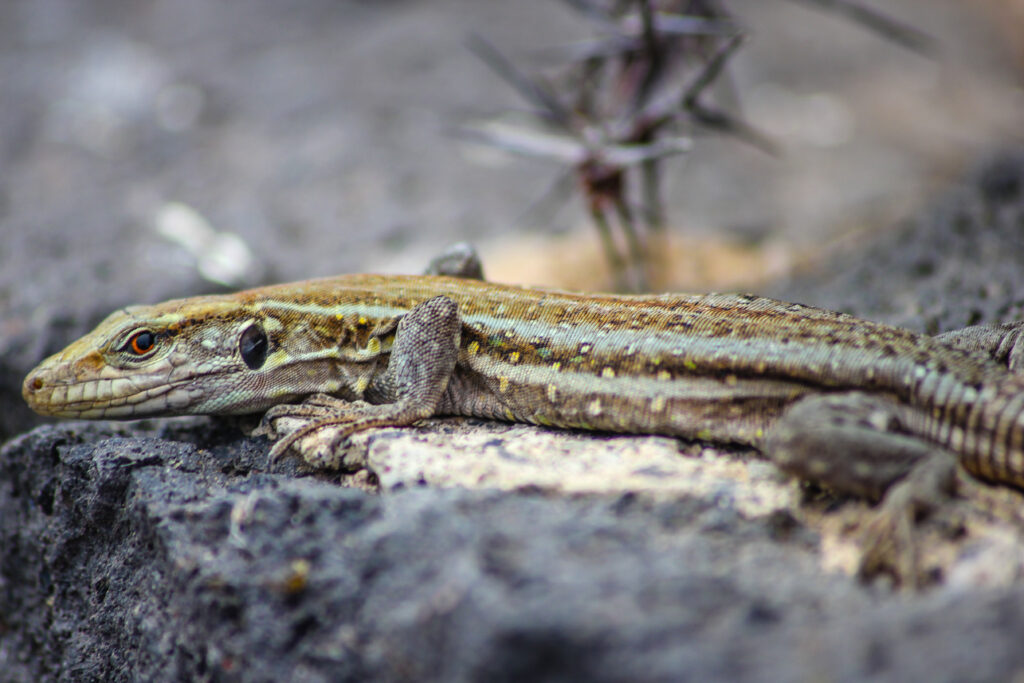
[150,558]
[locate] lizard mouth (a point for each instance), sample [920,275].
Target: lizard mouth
[105,398]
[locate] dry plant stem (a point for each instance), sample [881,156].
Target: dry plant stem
[654,212]
[637,252]
[896,31]
[611,251]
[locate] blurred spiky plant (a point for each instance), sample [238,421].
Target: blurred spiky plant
[612,108]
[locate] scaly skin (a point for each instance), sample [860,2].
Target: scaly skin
[717,367]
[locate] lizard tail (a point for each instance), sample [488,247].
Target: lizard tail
[990,433]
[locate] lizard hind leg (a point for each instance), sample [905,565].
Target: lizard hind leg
[853,443]
[1003,343]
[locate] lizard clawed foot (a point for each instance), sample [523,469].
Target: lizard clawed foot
[888,546]
[315,429]
[856,443]
[316,407]
[320,443]
[889,543]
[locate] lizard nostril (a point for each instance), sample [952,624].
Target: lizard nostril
[34,384]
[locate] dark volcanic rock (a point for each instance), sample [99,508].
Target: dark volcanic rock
[958,263]
[150,559]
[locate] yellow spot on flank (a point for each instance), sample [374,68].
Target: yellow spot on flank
[509,415]
[339,316]
[556,366]
[608,373]
[361,384]
[552,393]
[731,380]
[513,357]
[689,364]
[759,433]
[473,348]
[503,384]
[373,346]
[658,404]
[664,375]
[595,407]
[362,320]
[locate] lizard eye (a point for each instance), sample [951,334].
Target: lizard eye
[141,343]
[253,346]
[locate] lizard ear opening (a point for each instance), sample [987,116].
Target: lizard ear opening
[253,346]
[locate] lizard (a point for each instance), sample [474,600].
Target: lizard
[853,404]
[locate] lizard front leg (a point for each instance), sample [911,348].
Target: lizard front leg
[419,368]
[457,260]
[855,443]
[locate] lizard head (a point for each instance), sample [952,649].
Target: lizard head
[194,356]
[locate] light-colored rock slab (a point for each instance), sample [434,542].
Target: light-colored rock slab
[449,453]
[490,455]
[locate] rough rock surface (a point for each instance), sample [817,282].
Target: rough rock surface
[957,263]
[150,558]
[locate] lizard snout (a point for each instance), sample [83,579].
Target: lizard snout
[37,390]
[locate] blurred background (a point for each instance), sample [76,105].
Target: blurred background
[165,147]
